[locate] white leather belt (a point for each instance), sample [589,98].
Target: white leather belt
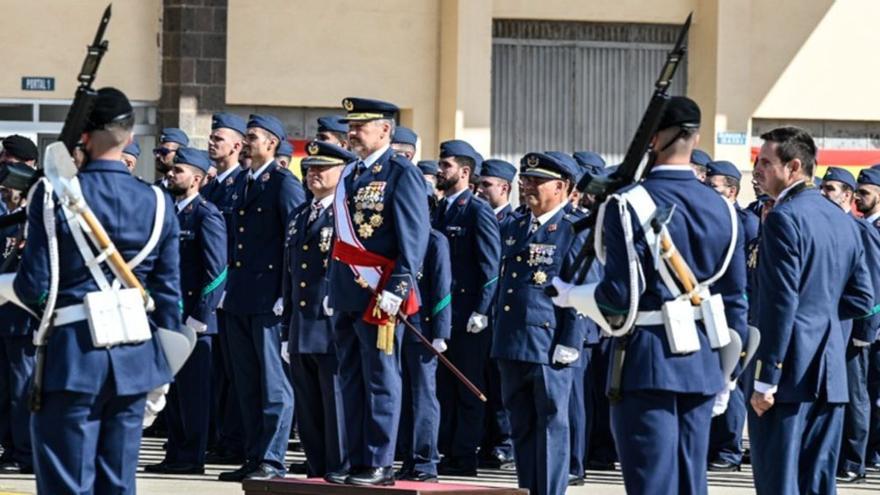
[650,318]
[70,314]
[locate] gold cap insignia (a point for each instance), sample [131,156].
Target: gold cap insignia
[347,105]
[313,148]
[532,161]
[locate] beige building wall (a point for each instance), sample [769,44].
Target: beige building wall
[48,38]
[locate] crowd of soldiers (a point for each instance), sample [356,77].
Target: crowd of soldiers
[307,298]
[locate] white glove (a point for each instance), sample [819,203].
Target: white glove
[196,325]
[563,290]
[222,298]
[155,403]
[389,302]
[285,354]
[327,309]
[477,323]
[860,343]
[278,308]
[564,354]
[439,344]
[721,400]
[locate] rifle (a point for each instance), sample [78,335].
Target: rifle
[74,125]
[632,169]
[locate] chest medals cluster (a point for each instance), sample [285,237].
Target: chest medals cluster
[368,204]
[541,257]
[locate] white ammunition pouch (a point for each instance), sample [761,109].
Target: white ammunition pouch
[116,315]
[678,316]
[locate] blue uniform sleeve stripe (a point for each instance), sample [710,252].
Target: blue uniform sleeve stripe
[441,305]
[215,283]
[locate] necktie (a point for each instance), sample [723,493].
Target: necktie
[358,168]
[248,184]
[317,207]
[534,226]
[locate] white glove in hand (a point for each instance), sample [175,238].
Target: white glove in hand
[477,323]
[564,354]
[563,290]
[439,344]
[389,302]
[196,325]
[155,403]
[860,343]
[222,298]
[285,354]
[721,400]
[278,308]
[327,309]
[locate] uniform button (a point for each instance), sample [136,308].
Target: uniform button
[240,246]
[513,274]
[259,210]
[427,318]
[241,229]
[462,291]
[237,264]
[305,247]
[302,303]
[241,212]
[546,324]
[304,266]
[189,292]
[302,284]
[519,258]
[510,291]
[506,308]
[270,267]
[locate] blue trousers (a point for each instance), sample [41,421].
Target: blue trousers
[579,413]
[662,439]
[600,446]
[496,437]
[537,397]
[227,430]
[85,444]
[188,407]
[795,447]
[420,414]
[857,413]
[371,391]
[725,436]
[264,393]
[873,450]
[318,394]
[16,368]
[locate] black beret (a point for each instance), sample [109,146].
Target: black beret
[20,147]
[681,111]
[111,105]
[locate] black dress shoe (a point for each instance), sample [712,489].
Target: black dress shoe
[224,457]
[600,466]
[336,477]
[403,472]
[873,467]
[575,480]
[850,478]
[420,476]
[15,467]
[158,468]
[264,472]
[239,474]
[723,467]
[381,476]
[454,467]
[298,468]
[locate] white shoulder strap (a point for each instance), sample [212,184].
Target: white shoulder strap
[77,227]
[157,230]
[734,233]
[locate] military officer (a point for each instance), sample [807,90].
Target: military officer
[797,407]
[381,225]
[130,156]
[592,163]
[264,199]
[867,201]
[429,170]
[664,388]
[404,142]
[420,414]
[87,433]
[472,230]
[225,144]
[725,437]
[171,139]
[535,342]
[700,163]
[307,323]
[202,279]
[496,182]
[284,153]
[334,130]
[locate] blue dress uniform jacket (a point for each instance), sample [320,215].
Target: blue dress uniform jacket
[396,194]
[434,318]
[82,381]
[810,279]
[220,193]
[259,224]
[309,331]
[661,424]
[528,327]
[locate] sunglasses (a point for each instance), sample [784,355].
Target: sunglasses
[162,151]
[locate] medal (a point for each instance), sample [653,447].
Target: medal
[365,231]
[376,220]
[358,217]
[539,277]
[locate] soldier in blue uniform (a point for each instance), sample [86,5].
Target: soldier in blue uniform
[87,433]
[592,163]
[170,141]
[496,182]
[308,335]
[130,156]
[534,342]
[664,388]
[429,169]
[472,231]
[224,148]
[420,415]
[382,235]
[264,200]
[404,142]
[284,153]
[725,437]
[202,279]
[334,130]
[797,407]
[867,200]
[700,163]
